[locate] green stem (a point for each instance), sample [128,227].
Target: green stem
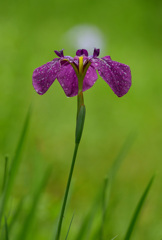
[66,193]
[78,134]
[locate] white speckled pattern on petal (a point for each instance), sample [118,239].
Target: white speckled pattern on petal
[68,80]
[117,75]
[90,78]
[45,75]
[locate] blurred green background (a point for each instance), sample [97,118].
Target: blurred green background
[29,33]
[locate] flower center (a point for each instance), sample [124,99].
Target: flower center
[83,67]
[80,74]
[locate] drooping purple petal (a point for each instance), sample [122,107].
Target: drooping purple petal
[107,58]
[117,75]
[90,78]
[45,75]
[81,52]
[68,80]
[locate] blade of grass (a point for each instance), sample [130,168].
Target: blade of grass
[106,190]
[3,230]
[138,209]
[14,167]
[121,156]
[29,219]
[104,208]
[6,230]
[84,227]
[116,165]
[104,194]
[114,237]
[88,221]
[15,216]
[5,173]
[69,227]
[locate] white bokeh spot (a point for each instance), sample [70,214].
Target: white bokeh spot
[85,36]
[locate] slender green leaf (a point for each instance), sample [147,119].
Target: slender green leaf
[138,209]
[86,226]
[121,156]
[15,216]
[104,208]
[29,219]
[116,165]
[104,194]
[69,227]
[5,173]
[14,167]
[6,230]
[114,237]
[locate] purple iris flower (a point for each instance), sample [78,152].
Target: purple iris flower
[79,73]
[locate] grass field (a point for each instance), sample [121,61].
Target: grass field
[29,33]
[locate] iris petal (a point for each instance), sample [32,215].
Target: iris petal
[81,52]
[68,80]
[45,75]
[117,75]
[96,52]
[90,78]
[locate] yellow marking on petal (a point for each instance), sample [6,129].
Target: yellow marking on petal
[81,64]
